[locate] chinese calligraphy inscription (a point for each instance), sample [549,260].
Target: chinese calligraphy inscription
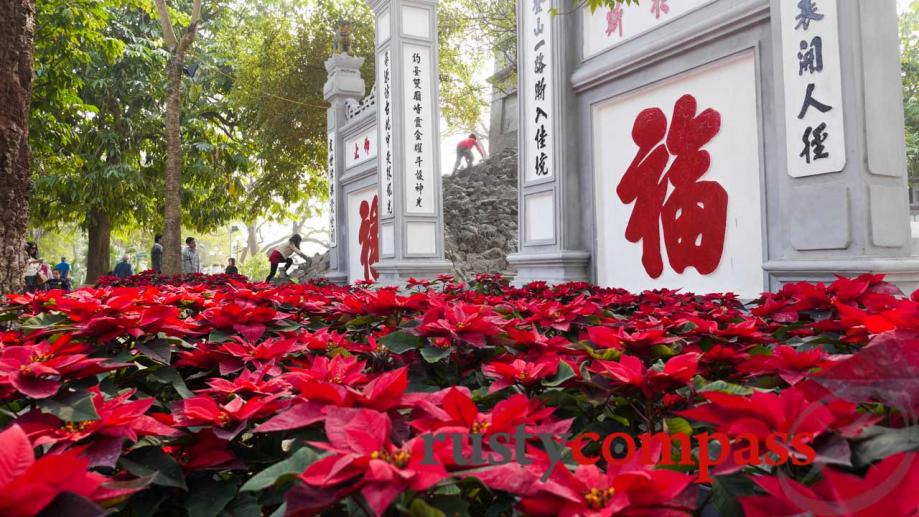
[694,213]
[368,237]
[332,191]
[539,90]
[419,154]
[386,128]
[814,121]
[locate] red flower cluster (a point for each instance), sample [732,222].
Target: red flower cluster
[150,277]
[171,395]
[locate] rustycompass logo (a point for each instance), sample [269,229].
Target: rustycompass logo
[712,450]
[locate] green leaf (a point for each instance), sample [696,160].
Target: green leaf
[726,387]
[400,341]
[451,506]
[726,490]
[563,374]
[44,320]
[159,350]
[677,425]
[448,490]
[171,376]
[72,406]
[419,508]
[292,466]
[432,354]
[246,505]
[208,497]
[219,336]
[152,460]
[881,442]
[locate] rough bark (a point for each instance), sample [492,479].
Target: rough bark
[172,213]
[172,209]
[99,247]
[17,23]
[251,243]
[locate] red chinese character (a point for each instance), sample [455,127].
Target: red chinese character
[658,7]
[367,145]
[357,152]
[614,21]
[368,237]
[694,215]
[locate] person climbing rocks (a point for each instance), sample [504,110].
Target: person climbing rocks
[464,151]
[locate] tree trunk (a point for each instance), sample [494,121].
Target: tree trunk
[99,246]
[17,23]
[74,268]
[251,243]
[172,213]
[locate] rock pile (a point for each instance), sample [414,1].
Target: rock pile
[480,212]
[480,215]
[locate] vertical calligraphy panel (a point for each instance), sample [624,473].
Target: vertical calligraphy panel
[814,122]
[418,130]
[538,89]
[384,116]
[333,227]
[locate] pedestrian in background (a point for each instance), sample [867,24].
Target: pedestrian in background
[283,254]
[191,262]
[32,272]
[156,254]
[63,267]
[231,267]
[124,269]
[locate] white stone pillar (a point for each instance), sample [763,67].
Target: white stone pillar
[844,205]
[408,110]
[551,242]
[344,83]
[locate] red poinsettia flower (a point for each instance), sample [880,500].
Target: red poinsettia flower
[888,489]
[237,352]
[363,453]
[763,414]
[344,370]
[788,363]
[245,317]
[383,393]
[27,486]
[249,383]
[21,371]
[464,323]
[605,337]
[519,371]
[723,359]
[551,314]
[119,419]
[531,338]
[205,452]
[631,371]
[227,420]
[456,409]
[631,488]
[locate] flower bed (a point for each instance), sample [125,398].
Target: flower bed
[167,398]
[152,278]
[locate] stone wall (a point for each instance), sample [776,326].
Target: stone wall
[480,215]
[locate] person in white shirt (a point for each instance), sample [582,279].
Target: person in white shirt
[31,275]
[191,262]
[283,254]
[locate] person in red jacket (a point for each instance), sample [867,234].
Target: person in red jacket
[464,151]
